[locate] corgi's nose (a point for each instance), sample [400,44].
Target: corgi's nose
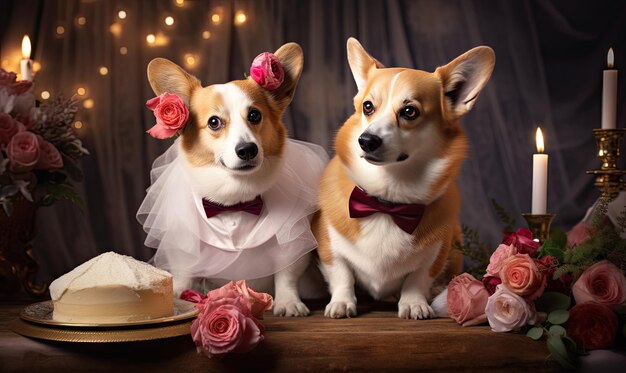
[246,150]
[369,142]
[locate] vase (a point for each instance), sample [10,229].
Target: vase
[18,265]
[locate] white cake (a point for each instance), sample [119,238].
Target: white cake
[112,288]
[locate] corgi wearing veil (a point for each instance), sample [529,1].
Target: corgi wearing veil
[233,197]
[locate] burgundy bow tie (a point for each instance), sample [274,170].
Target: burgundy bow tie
[407,216]
[252,207]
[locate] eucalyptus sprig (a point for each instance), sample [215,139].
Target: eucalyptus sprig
[562,348]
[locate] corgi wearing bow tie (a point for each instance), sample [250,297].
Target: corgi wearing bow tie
[389,204]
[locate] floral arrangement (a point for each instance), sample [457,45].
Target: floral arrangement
[38,148]
[228,318]
[570,291]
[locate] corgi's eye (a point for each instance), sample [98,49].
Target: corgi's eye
[254,116]
[214,123]
[409,112]
[368,108]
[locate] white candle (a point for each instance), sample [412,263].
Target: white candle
[609,93]
[26,64]
[540,178]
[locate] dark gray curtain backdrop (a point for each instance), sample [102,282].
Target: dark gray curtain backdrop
[550,57]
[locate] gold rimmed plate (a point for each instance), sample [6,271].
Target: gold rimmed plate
[136,333]
[41,313]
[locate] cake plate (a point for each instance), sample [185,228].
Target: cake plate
[36,321]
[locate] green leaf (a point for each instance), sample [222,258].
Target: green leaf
[552,301]
[535,333]
[571,346]
[559,352]
[558,330]
[558,317]
[57,192]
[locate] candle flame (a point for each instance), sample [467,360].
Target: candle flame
[539,139]
[610,58]
[26,47]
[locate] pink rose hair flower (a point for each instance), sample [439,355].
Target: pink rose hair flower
[602,283]
[592,326]
[267,71]
[523,276]
[225,325]
[467,298]
[171,114]
[523,242]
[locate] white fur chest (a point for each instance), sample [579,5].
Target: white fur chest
[383,255]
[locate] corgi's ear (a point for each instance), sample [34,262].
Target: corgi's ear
[360,62]
[292,60]
[465,77]
[166,76]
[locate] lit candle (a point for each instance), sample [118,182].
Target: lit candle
[26,64]
[609,93]
[540,178]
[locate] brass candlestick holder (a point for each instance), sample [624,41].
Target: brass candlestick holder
[539,224]
[609,176]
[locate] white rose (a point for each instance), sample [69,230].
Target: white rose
[507,311]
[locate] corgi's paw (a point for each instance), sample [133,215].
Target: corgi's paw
[293,308]
[415,310]
[338,310]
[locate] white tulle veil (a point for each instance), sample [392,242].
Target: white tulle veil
[232,245]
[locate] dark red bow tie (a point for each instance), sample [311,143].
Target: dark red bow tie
[407,216]
[252,207]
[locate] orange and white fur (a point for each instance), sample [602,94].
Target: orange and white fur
[419,146]
[222,118]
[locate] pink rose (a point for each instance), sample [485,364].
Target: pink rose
[225,325]
[467,298]
[580,233]
[49,156]
[171,114]
[508,311]
[8,128]
[491,283]
[602,283]
[523,241]
[192,296]
[267,71]
[23,151]
[592,326]
[523,275]
[498,257]
[258,302]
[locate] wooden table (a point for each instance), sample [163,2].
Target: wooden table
[376,340]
